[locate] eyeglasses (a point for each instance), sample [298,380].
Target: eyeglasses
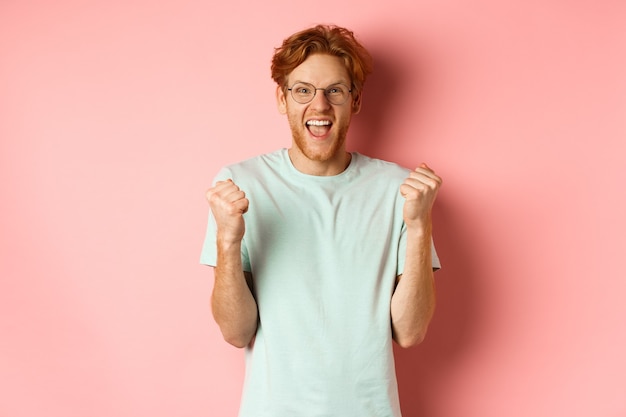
[336,94]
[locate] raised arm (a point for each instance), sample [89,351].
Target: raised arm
[233,304]
[413,301]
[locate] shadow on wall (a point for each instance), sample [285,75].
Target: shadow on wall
[367,129]
[423,371]
[396,95]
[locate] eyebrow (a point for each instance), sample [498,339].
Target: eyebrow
[333,83]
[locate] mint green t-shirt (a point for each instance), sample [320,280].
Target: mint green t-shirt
[324,253]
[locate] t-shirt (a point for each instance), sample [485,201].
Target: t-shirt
[324,253]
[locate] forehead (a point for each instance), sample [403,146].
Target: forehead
[320,69]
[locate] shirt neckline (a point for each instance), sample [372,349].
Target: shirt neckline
[326,178]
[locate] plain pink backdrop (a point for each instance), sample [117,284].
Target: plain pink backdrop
[115,115]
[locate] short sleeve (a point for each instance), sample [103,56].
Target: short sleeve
[208,256]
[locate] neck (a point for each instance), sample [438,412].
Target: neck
[335,166]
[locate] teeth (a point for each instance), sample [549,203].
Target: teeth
[318,123]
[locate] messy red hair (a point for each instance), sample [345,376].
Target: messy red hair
[324,39]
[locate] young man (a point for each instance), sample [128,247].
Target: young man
[321,256]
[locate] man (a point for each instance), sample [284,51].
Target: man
[321,256]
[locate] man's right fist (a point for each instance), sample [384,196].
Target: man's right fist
[228,204]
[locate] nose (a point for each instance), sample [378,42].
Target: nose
[320,101]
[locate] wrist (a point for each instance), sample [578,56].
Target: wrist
[226,242]
[422,227]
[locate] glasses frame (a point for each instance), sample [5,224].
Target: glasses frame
[314,88]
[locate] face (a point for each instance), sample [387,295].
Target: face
[319,128]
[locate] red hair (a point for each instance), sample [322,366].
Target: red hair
[322,39]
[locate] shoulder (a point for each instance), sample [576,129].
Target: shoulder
[387,170]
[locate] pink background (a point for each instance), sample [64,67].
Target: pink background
[115,115]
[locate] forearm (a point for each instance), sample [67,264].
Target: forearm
[233,305]
[413,301]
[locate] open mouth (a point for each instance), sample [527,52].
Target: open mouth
[318,128]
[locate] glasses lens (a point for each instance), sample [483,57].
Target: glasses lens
[337,93]
[302,92]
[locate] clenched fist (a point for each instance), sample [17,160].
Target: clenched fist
[419,190]
[228,204]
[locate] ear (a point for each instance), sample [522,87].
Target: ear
[281,100]
[356,103]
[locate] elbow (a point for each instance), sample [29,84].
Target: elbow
[235,334]
[238,336]
[411,340]
[238,333]
[237,340]
[414,333]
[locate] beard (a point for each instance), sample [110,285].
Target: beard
[318,152]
